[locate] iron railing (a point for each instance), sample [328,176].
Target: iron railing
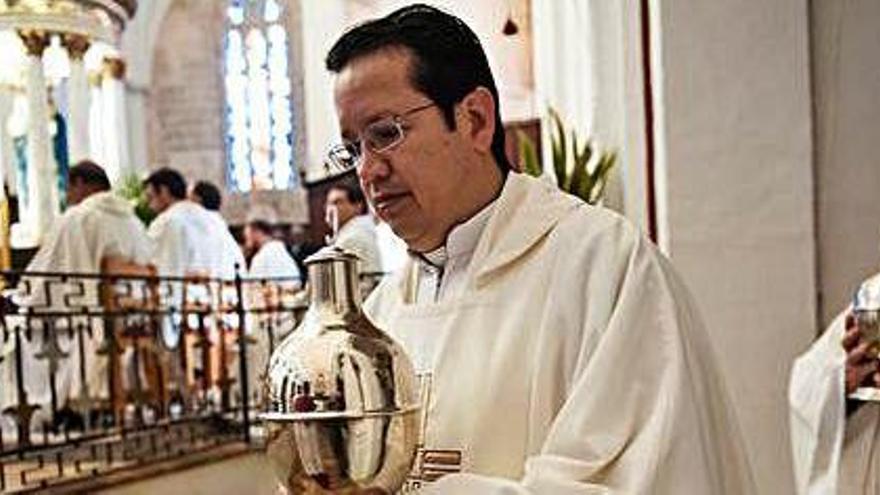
[101,373]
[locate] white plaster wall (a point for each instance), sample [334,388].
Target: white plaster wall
[734,156]
[587,60]
[846,70]
[509,56]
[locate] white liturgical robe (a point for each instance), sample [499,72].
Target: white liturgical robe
[569,360]
[100,225]
[273,260]
[229,252]
[833,453]
[103,224]
[186,241]
[358,235]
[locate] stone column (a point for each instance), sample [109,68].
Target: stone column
[43,206]
[116,156]
[78,98]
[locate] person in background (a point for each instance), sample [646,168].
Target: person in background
[231,256]
[273,280]
[271,258]
[97,224]
[183,232]
[347,207]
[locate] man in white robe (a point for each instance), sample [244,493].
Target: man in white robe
[184,234]
[346,207]
[834,439]
[271,260]
[231,255]
[185,244]
[558,350]
[96,225]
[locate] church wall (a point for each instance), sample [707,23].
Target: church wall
[176,93]
[732,100]
[846,75]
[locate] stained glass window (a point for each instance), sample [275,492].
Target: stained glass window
[259,133]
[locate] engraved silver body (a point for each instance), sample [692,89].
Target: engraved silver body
[341,394]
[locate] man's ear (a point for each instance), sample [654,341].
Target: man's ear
[476,115]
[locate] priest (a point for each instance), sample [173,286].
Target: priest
[558,349]
[271,258]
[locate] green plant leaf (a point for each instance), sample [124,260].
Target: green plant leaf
[606,163]
[581,181]
[132,188]
[560,149]
[584,183]
[528,155]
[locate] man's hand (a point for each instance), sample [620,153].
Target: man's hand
[861,367]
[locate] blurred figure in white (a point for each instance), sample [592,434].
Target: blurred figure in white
[230,253]
[97,224]
[182,231]
[346,210]
[271,258]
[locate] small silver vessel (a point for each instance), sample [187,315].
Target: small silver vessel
[866,310]
[341,395]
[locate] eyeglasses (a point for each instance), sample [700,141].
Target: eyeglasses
[379,136]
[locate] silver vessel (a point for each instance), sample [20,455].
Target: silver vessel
[866,310]
[341,394]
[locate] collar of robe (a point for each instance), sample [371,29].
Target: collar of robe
[527,210]
[524,213]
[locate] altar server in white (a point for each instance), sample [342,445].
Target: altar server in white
[231,256]
[271,257]
[183,233]
[347,208]
[835,439]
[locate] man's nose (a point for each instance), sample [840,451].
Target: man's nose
[373,167]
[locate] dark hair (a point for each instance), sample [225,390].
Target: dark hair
[169,178]
[209,195]
[448,60]
[352,191]
[262,226]
[89,173]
